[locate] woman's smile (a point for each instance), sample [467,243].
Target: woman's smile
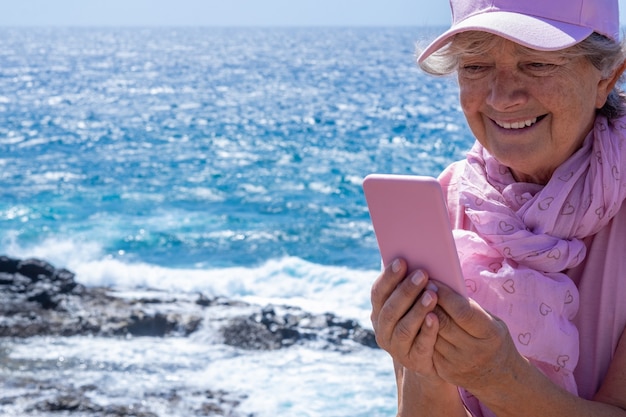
[521,124]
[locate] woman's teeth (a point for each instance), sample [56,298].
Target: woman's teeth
[517,125]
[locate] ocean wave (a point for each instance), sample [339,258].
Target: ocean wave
[288,280]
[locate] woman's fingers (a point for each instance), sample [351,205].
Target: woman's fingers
[460,315]
[391,322]
[473,347]
[402,317]
[385,284]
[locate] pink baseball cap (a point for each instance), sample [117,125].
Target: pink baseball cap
[545,25]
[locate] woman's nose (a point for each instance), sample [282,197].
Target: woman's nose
[507,90]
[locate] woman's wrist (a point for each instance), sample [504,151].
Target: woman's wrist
[524,390]
[428,396]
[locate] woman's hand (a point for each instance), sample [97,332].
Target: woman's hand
[403,318]
[437,333]
[406,327]
[474,349]
[439,340]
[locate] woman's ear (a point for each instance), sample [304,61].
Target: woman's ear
[606,85]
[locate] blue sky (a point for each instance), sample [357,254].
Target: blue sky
[228,12]
[223,12]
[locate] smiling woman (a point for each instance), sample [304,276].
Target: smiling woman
[540,224]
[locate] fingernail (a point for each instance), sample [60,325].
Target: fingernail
[395,266]
[427,299]
[418,277]
[432,287]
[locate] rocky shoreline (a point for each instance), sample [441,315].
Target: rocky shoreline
[39,299]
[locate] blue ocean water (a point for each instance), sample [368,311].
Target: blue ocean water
[224,160]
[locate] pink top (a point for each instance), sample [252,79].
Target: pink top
[601,280]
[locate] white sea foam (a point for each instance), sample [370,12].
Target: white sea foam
[302,382]
[296,382]
[54,177]
[290,280]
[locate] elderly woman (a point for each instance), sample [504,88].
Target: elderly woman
[540,224]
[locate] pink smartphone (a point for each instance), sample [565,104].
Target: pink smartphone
[411,221]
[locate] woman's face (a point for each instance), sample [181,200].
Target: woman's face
[530,109]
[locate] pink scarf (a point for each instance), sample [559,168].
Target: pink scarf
[523,236]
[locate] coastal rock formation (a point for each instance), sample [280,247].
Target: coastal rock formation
[38,299]
[73,400]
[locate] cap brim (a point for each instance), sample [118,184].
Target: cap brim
[533,32]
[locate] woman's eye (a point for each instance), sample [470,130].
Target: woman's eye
[470,69]
[541,66]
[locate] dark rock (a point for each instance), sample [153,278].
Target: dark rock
[44,397]
[205,301]
[365,337]
[37,299]
[246,333]
[35,269]
[6,279]
[145,325]
[75,402]
[159,324]
[8,265]
[66,402]
[45,298]
[280,327]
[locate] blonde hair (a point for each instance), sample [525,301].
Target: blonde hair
[603,53]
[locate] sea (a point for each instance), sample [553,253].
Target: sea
[227,161]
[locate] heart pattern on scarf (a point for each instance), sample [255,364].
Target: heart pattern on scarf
[546,203]
[554,254]
[524,338]
[531,293]
[506,227]
[509,286]
[562,360]
[545,309]
[568,209]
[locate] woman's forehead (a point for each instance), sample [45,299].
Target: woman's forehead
[475,43]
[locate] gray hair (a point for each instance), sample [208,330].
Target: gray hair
[603,53]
